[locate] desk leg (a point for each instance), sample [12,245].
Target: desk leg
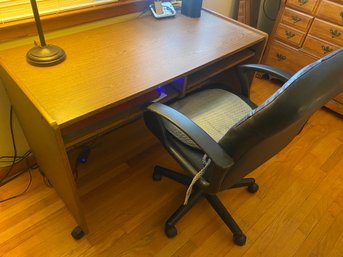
[44,138]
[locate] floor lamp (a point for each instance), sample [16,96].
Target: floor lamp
[43,54]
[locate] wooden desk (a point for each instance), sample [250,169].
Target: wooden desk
[108,69]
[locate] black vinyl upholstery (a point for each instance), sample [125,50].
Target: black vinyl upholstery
[257,137]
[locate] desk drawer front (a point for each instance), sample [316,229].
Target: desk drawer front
[303,5]
[331,11]
[290,35]
[318,47]
[327,31]
[296,19]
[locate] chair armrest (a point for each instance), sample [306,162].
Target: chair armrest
[193,131]
[245,68]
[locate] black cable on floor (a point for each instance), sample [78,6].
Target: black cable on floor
[20,194]
[14,147]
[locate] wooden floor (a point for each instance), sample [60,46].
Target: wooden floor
[298,210]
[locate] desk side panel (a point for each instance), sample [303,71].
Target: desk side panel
[46,143]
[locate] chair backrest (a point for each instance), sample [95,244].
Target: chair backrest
[272,125]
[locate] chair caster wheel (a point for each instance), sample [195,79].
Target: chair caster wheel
[156,176]
[77,233]
[253,188]
[239,239]
[170,231]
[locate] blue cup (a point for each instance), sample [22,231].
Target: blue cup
[191,8]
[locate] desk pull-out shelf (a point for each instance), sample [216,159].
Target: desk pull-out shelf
[112,118]
[129,111]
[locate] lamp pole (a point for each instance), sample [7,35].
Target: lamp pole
[43,54]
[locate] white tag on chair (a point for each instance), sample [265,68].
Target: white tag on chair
[206,161]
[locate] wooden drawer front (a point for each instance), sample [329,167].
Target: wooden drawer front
[331,11]
[303,5]
[296,19]
[290,35]
[287,58]
[318,47]
[327,31]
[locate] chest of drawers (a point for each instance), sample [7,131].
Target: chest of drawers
[304,31]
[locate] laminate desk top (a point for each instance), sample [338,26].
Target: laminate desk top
[112,64]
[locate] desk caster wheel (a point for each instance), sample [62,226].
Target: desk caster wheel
[170,231]
[156,176]
[77,233]
[253,188]
[239,239]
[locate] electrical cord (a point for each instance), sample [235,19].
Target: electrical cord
[20,194]
[45,179]
[14,147]
[17,174]
[11,157]
[81,159]
[85,149]
[15,159]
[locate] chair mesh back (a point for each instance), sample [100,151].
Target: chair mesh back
[271,126]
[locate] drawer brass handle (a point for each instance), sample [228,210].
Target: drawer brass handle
[335,33]
[302,2]
[341,14]
[289,34]
[295,19]
[326,49]
[280,57]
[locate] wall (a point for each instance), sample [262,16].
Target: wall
[221,6]
[267,13]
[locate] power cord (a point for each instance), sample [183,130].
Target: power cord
[14,147]
[15,159]
[86,148]
[25,190]
[9,179]
[82,158]
[11,157]
[45,179]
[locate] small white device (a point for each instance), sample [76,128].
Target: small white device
[162,9]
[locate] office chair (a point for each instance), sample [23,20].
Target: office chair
[219,138]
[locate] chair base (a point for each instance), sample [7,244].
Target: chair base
[170,230]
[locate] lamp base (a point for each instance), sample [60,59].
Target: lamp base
[48,55]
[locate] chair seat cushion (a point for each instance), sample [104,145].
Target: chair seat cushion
[213,110]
